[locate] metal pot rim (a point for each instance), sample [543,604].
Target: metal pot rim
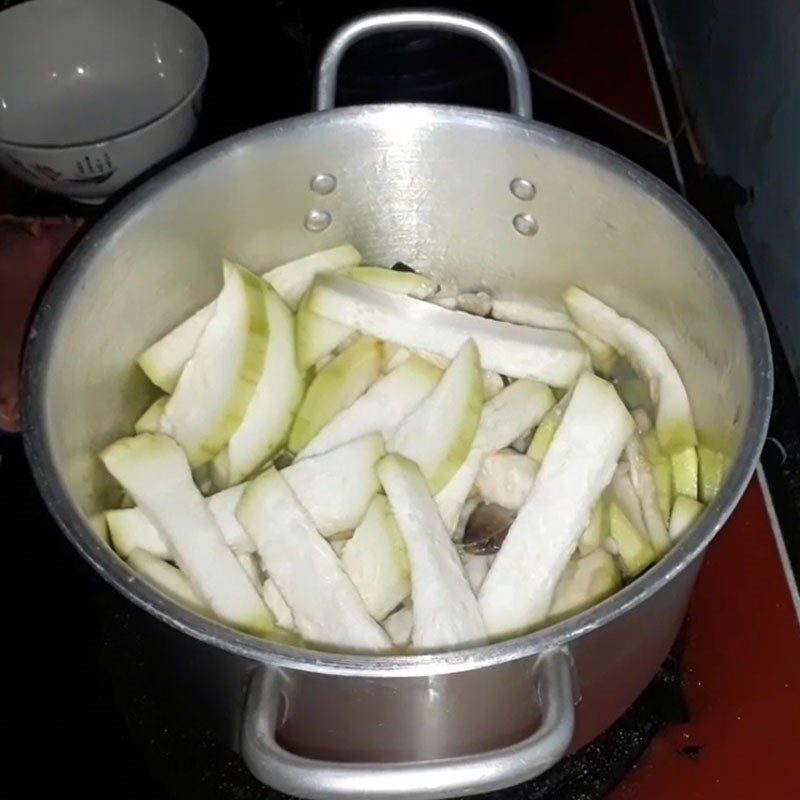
[112,568]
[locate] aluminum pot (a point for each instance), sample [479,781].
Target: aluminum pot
[487,199]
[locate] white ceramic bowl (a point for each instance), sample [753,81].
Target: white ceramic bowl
[95,92]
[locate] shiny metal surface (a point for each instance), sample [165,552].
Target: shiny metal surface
[435,778]
[407,190]
[519,87]
[429,186]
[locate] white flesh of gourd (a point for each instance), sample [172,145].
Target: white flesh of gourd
[291,280]
[326,607]
[446,613]
[155,472]
[277,605]
[476,567]
[220,378]
[399,626]
[167,578]
[375,559]
[584,582]
[542,315]
[674,422]
[268,419]
[318,336]
[645,486]
[506,478]
[384,405]
[438,433]
[579,464]
[554,357]
[164,361]
[150,421]
[130,527]
[504,418]
[685,511]
[336,487]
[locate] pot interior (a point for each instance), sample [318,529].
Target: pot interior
[428,186]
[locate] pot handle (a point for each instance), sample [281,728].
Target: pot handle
[426,780]
[519,85]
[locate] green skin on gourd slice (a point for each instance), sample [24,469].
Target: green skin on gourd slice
[597,529]
[711,465]
[318,336]
[438,434]
[163,361]
[381,408]
[634,549]
[265,426]
[220,379]
[685,511]
[685,472]
[553,357]
[335,387]
[546,430]
[674,423]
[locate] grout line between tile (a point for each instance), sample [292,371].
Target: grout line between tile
[776,532]
[662,112]
[610,111]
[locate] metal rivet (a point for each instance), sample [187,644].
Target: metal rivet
[526,224]
[317,221]
[323,184]
[522,189]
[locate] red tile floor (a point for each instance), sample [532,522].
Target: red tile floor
[741,675]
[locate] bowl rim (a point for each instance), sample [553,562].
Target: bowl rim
[185,97]
[104,560]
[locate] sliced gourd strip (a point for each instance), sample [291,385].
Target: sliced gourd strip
[164,361]
[674,422]
[337,386]
[326,607]
[685,511]
[438,434]
[381,408]
[166,578]
[553,357]
[446,613]
[504,418]
[644,483]
[265,427]
[543,315]
[375,559]
[155,471]
[336,487]
[583,583]
[317,336]
[220,378]
[712,470]
[579,464]
[150,421]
